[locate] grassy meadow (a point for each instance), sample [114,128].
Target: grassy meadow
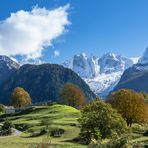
[32,121]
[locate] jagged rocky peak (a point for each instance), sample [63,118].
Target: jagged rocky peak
[9,62]
[144,58]
[111,62]
[101,74]
[83,65]
[80,60]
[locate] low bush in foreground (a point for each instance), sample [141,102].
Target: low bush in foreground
[6,128]
[99,121]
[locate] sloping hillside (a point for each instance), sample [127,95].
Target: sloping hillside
[135,78]
[38,118]
[43,82]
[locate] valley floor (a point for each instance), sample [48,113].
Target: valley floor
[32,121]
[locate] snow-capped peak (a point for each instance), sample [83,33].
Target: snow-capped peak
[9,62]
[114,63]
[109,55]
[144,58]
[101,74]
[83,65]
[135,59]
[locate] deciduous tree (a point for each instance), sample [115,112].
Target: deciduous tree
[130,105]
[73,96]
[20,98]
[99,120]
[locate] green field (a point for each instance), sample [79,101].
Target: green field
[58,116]
[30,122]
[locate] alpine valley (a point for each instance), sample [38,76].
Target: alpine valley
[94,75]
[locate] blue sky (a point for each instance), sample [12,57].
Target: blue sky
[97,26]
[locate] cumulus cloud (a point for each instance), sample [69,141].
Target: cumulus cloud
[56,53]
[27,33]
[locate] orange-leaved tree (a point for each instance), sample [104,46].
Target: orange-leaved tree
[130,105]
[73,96]
[20,98]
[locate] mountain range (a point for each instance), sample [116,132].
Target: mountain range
[136,77]
[101,74]
[43,82]
[94,75]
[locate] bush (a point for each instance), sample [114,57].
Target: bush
[112,143]
[137,128]
[44,144]
[2,108]
[57,132]
[6,128]
[99,121]
[46,122]
[22,127]
[146,133]
[42,131]
[138,145]
[50,103]
[32,132]
[73,124]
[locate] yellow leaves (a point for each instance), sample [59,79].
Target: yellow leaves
[20,98]
[129,104]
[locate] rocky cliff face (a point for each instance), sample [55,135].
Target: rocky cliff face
[101,74]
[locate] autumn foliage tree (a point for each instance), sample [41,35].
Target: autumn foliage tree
[72,96]
[20,98]
[130,105]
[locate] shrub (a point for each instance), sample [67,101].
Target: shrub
[22,127]
[138,145]
[43,131]
[45,122]
[31,131]
[146,133]
[50,103]
[57,132]
[99,120]
[137,128]
[2,108]
[112,143]
[6,128]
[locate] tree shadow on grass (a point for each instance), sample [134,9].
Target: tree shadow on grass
[76,140]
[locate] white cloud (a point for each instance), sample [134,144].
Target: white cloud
[56,53]
[27,33]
